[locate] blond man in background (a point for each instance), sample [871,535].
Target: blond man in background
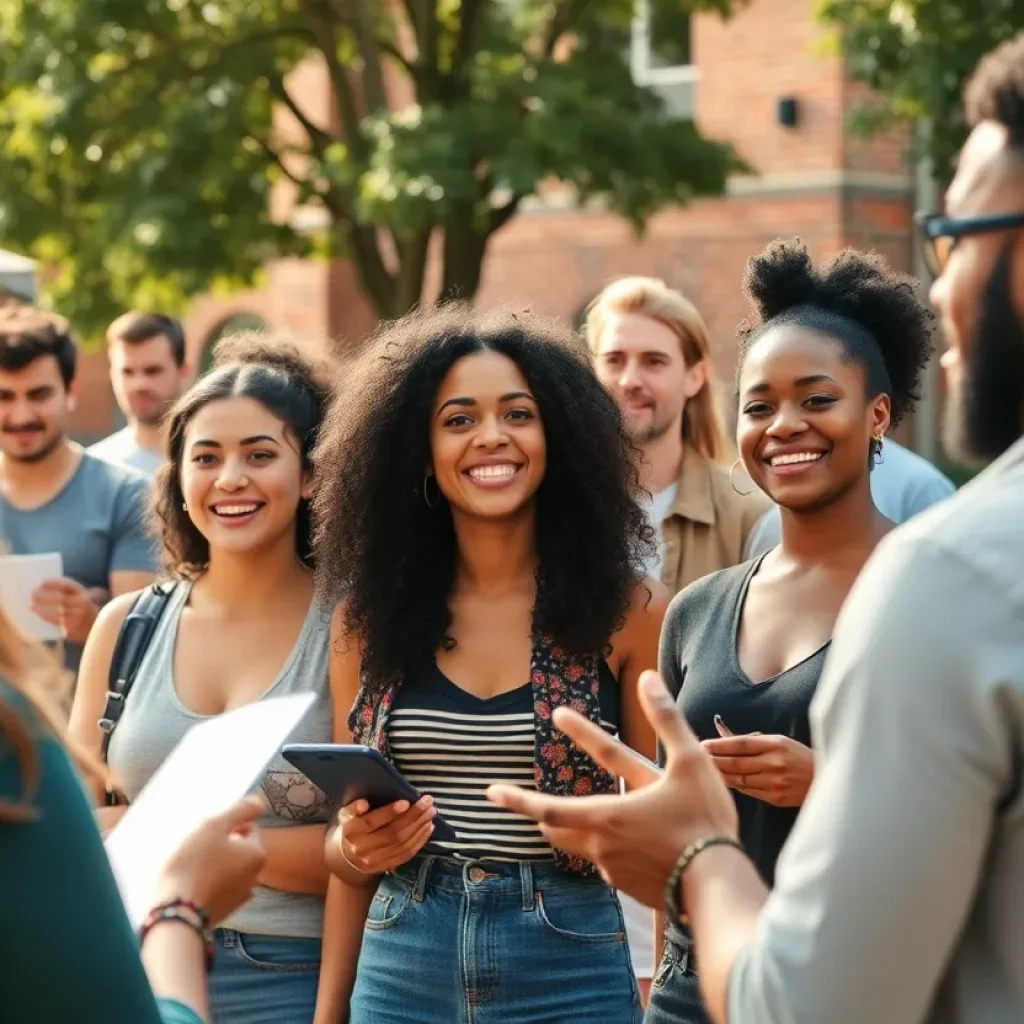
[652,351]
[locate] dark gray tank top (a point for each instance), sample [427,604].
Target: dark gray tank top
[701,666]
[154,720]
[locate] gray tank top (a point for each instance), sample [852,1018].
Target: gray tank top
[154,720]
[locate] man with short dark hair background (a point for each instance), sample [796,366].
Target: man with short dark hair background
[899,896]
[55,497]
[148,371]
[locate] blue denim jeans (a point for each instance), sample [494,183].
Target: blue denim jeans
[675,991]
[448,942]
[263,979]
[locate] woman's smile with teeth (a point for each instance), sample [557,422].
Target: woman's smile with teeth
[236,510]
[794,458]
[496,473]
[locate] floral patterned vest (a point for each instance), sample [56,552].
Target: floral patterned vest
[560,767]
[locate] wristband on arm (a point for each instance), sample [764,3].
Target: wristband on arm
[188,913]
[673,900]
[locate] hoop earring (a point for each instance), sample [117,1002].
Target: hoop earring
[426,498]
[732,482]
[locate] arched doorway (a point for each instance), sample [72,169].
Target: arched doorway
[232,325]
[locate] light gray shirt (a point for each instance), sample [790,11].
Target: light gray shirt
[899,897]
[122,449]
[155,719]
[97,522]
[902,485]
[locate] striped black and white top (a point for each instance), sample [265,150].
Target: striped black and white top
[453,745]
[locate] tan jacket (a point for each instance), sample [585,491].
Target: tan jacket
[708,524]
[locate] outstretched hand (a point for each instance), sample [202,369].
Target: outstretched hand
[634,838]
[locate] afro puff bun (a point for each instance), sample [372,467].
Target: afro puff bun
[870,309]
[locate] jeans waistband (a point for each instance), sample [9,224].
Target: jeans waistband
[523,877]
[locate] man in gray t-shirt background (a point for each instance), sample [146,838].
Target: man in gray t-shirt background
[56,498]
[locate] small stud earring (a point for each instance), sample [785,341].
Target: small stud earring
[184,506]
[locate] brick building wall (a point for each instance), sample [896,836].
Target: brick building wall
[812,180]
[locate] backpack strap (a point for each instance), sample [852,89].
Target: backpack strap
[132,643]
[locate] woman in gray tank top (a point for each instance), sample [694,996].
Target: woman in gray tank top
[241,625]
[829,362]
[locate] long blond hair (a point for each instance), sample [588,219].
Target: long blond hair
[37,676]
[703,422]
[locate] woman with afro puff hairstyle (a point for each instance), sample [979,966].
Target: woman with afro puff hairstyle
[830,361]
[478,533]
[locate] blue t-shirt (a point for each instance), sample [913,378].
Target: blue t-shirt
[97,522]
[902,485]
[123,450]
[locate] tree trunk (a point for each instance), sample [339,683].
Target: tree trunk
[412,269]
[465,246]
[392,296]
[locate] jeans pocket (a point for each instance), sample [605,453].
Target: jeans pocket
[278,953]
[389,903]
[585,913]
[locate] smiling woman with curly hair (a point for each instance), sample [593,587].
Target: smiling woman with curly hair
[239,624]
[477,532]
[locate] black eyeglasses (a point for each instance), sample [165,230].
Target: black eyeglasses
[941,233]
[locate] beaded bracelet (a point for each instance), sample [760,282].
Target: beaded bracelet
[673,903]
[186,912]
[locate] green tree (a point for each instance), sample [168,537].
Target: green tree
[916,56]
[140,144]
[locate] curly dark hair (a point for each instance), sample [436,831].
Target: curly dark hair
[390,557]
[995,92]
[272,371]
[872,311]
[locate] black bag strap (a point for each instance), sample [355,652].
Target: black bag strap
[132,643]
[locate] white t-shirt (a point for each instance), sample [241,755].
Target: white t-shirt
[640,919]
[656,508]
[123,450]
[640,933]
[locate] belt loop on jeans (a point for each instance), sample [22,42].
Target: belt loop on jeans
[526,881]
[228,937]
[422,875]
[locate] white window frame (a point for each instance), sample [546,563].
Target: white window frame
[644,72]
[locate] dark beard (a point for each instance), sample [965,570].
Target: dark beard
[986,414]
[39,455]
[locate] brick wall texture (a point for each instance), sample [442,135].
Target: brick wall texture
[815,181]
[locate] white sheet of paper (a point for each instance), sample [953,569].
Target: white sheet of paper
[19,577]
[215,764]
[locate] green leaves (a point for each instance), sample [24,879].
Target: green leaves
[916,55]
[143,139]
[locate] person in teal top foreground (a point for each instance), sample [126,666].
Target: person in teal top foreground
[69,952]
